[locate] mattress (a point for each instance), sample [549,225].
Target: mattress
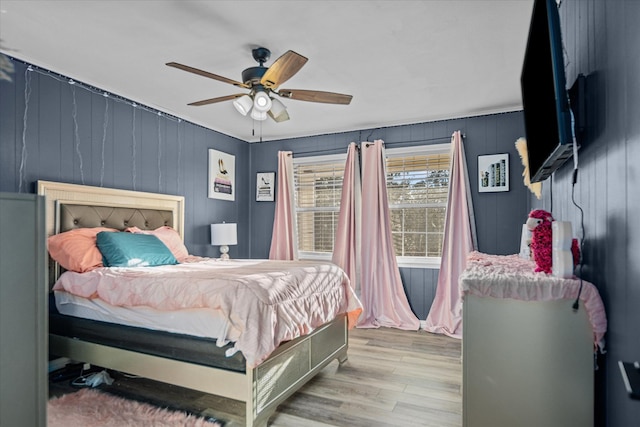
[187,348]
[199,322]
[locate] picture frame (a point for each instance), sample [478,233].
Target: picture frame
[265,186]
[493,173]
[222,175]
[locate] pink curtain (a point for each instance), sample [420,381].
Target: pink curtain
[445,316]
[346,249]
[383,297]
[284,240]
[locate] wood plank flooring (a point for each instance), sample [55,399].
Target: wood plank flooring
[393,378]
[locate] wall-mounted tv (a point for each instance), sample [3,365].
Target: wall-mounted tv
[547,117]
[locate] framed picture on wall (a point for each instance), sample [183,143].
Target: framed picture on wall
[493,173]
[222,175]
[265,186]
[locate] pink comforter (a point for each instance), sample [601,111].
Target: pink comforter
[513,277]
[268,302]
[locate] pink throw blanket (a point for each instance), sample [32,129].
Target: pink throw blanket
[268,302]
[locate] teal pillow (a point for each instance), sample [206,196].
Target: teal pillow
[120,249]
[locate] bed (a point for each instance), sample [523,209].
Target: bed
[87,329]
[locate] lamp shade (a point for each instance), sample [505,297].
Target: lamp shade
[224,234]
[261,102]
[258,115]
[243,104]
[278,111]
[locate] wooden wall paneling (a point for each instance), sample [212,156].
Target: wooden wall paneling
[82,144]
[206,211]
[188,184]
[631,345]
[50,135]
[121,156]
[26,138]
[146,162]
[95,139]
[146,151]
[29,137]
[632,137]
[600,41]
[413,281]
[67,135]
[8,132]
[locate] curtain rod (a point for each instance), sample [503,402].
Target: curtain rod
[342,149]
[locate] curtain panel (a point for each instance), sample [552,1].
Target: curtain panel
[284,239]
[383,296]
[347,247]
[445,315]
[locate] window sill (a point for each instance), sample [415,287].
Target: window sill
[403,262]
[419,262]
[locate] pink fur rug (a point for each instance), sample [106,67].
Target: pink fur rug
[91,408]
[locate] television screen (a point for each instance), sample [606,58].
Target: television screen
[547,117]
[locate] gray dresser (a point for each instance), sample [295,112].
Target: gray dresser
[23,311]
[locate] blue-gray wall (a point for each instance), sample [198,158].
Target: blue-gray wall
[499,216]
[143,151]
[602,41]
[158,153]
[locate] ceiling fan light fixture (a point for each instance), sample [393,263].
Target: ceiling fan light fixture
[258,115]
[278,111]
[262,81]
[262,102]
[243,104]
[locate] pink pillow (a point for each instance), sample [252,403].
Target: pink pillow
[76,249]
[169,237]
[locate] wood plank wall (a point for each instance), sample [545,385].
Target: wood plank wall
[143,151]
[602,41]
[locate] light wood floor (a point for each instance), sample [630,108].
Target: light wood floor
[393,378]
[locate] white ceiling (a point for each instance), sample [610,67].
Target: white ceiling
[403,61]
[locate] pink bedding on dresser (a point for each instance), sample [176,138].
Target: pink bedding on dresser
[511,276]
[269,302]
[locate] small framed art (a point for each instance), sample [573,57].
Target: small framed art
[493,173]
[222,175]
[265,186]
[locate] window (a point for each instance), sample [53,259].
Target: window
[318,188]
[417,186]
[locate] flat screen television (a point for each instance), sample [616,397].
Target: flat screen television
[547,114]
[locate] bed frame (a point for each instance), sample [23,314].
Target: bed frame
[261,388]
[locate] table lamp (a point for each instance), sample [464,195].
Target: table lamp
[223,235]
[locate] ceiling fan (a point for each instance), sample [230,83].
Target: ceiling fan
[263,83]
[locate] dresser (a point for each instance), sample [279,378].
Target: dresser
[23,311]
[528,356]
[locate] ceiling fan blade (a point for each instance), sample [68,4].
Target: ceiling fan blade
[214,100]
[283,69]
[206,74]
[316,96]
